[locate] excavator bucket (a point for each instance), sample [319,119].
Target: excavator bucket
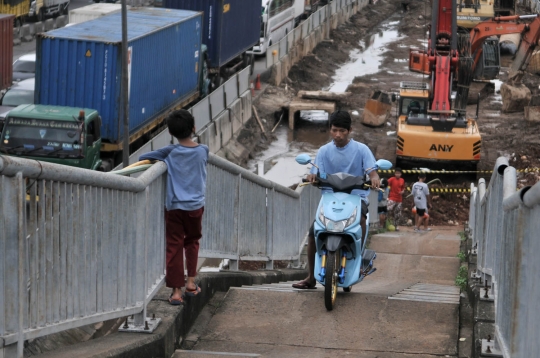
[377,109]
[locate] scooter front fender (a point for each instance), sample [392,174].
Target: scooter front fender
[334,242]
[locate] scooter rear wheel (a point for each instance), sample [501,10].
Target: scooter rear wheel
[331,280]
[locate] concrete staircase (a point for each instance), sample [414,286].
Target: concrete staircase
[377,319]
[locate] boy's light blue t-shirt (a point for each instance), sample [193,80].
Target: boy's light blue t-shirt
[186,177]
[354,158]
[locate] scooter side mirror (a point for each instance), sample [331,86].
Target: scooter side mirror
[303,159]
[384,164]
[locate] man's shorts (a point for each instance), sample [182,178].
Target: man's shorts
[391,204]
[420,212]
[364,214]
[382,210]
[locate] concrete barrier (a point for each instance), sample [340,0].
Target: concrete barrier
[16,36]
[48,25]
[38,27]
[275,75]
[61,21]
[246,106]
[223,121]
[211,137]
[235,114]
[25,34]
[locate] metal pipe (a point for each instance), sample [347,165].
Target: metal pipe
[532,197]
[481,190]
[509,182]
[34,169]
[125,84]
[235,169]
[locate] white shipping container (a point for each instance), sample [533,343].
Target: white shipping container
[92,12]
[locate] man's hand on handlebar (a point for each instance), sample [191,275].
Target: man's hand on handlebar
[311,178]
[375,180]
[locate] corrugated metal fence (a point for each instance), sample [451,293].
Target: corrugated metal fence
[504,224]
[80,247]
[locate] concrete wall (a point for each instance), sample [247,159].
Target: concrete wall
[225,125]
[281,68]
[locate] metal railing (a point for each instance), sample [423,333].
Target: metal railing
[504,224]
[282,48]
[79,247]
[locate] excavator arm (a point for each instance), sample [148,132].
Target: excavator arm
[530,34]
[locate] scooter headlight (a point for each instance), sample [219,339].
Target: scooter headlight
[335,226]
[351,219]
[322,218]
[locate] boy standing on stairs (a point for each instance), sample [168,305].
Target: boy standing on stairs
[184,205]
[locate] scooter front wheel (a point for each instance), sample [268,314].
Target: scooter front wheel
[347,289]
[331,280]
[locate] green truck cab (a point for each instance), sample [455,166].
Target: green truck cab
[61,135]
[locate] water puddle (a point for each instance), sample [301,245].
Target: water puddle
[367,61]
[278,163]
[497,97]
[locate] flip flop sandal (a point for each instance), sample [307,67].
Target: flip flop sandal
[304,285]
[176,301]
[193,293]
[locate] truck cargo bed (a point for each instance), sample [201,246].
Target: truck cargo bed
[80,66]
[230,27]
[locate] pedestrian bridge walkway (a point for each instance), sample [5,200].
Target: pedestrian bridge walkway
[79,248]
[407,308]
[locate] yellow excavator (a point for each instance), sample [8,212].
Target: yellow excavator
[472,12]
[433,123]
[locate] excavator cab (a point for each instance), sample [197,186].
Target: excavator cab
[426,135]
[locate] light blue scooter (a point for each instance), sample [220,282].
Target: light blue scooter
[342,259]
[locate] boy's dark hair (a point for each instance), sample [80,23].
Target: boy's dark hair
[180,124]
[341,119]
[422,175]
[398,170]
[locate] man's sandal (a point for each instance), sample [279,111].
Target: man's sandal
[304,285]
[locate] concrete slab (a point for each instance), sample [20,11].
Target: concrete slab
[272,351]
[416,244]
[419,268]
[290,323]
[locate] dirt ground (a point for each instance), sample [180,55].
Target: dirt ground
[502,134]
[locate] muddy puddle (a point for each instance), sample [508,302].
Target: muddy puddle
[277,163]
[367,59]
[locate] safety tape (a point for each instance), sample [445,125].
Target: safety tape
[447,190]
[411,171]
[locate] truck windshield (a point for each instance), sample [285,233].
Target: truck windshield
[42,138]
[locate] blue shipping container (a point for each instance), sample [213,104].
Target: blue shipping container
[80,66]
[231,27]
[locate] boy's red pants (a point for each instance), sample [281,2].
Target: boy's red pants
[183,229]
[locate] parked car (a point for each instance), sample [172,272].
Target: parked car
[19,93]
[24,67]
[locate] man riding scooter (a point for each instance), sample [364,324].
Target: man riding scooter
[343,155]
